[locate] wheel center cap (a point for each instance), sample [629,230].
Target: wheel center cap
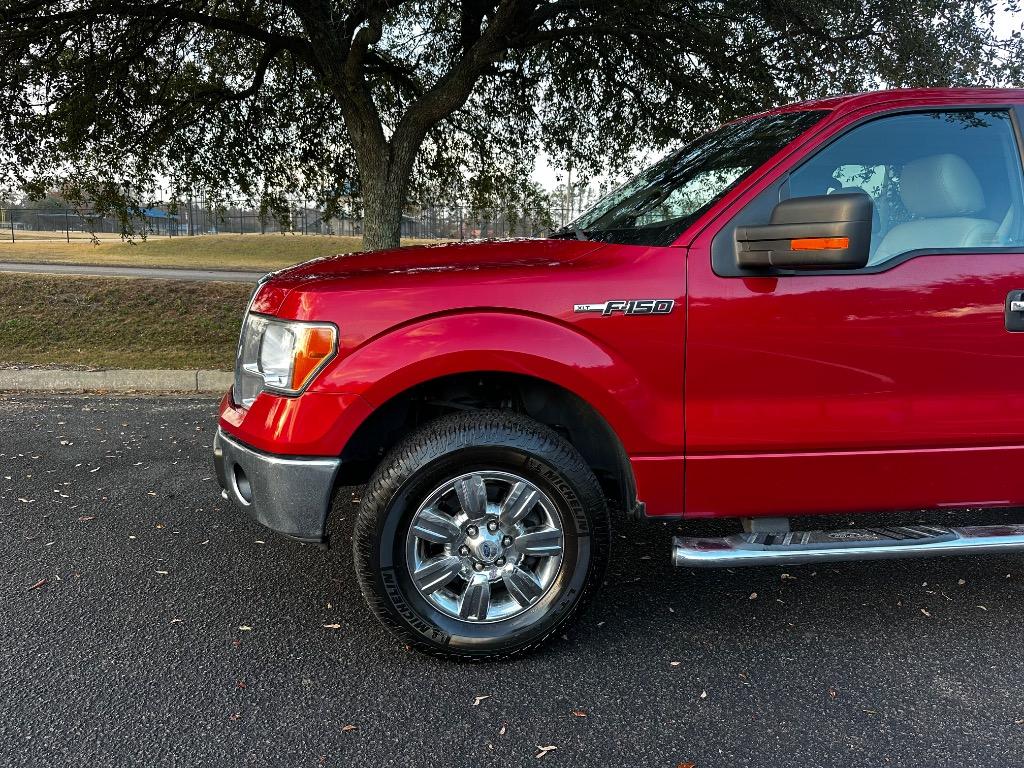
[486,547]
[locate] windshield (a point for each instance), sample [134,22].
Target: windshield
[655,207]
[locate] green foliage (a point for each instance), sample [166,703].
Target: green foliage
[377,102]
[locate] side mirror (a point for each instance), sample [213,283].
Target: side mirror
[820,232]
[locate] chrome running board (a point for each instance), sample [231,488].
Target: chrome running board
[798,547]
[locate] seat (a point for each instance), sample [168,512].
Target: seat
[943,195]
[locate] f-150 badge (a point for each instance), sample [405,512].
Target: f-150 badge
[629,307]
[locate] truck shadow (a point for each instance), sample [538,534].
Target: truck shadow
[646,604]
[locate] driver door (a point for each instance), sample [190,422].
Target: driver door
[895,386]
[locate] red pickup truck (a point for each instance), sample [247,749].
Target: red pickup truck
[818,309]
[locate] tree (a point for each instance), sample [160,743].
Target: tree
[396,100]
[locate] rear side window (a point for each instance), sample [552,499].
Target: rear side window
[938,180]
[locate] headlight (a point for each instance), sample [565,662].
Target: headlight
[280,355]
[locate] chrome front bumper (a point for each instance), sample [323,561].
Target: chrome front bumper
[289,495]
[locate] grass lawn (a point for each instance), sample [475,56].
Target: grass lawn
[253,252]
[119,322]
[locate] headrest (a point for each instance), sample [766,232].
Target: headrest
[940,185]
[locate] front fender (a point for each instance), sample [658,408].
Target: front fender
[520,343]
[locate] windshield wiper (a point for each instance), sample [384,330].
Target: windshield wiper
[562,232]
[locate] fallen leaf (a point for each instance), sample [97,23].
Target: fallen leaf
[349,728]
[544,750]
[686,765]
[961,582]
[753,596]
[478,699]
[236,716]
[503,730]
[37,585]
[832,693]
[579,713]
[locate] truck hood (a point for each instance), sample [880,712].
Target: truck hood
[410,264]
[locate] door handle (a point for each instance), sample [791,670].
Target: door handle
[1015,312]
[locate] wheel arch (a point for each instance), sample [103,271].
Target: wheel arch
[547,402]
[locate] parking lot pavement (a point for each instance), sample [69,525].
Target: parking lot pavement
[145,623]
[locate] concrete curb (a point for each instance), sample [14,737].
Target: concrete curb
[56,380]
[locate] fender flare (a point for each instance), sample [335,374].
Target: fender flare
[494,341]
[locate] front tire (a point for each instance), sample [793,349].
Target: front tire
[480,536]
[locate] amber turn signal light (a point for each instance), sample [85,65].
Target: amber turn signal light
[819,243]
[314,346]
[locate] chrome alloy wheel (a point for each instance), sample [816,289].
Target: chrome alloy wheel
[484,546]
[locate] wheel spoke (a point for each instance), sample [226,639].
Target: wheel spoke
[436,572]
[476,599]
[517,505]
[472,495]
[485,545]
[435,527]
[522,585]
[543,542]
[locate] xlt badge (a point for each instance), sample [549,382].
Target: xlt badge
[629,307]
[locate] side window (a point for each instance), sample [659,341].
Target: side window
[944,180]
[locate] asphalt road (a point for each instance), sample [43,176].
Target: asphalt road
[153,273]
[144,623]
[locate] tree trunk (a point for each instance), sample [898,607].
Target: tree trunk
[383,199]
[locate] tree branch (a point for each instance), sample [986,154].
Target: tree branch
[207,21]
[270,52]
[454,87]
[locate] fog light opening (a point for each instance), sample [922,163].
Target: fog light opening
[242,486]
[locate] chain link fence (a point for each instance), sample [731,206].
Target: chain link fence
[190,220]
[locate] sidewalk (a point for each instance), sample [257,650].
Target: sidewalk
[151,273]
[154,380]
